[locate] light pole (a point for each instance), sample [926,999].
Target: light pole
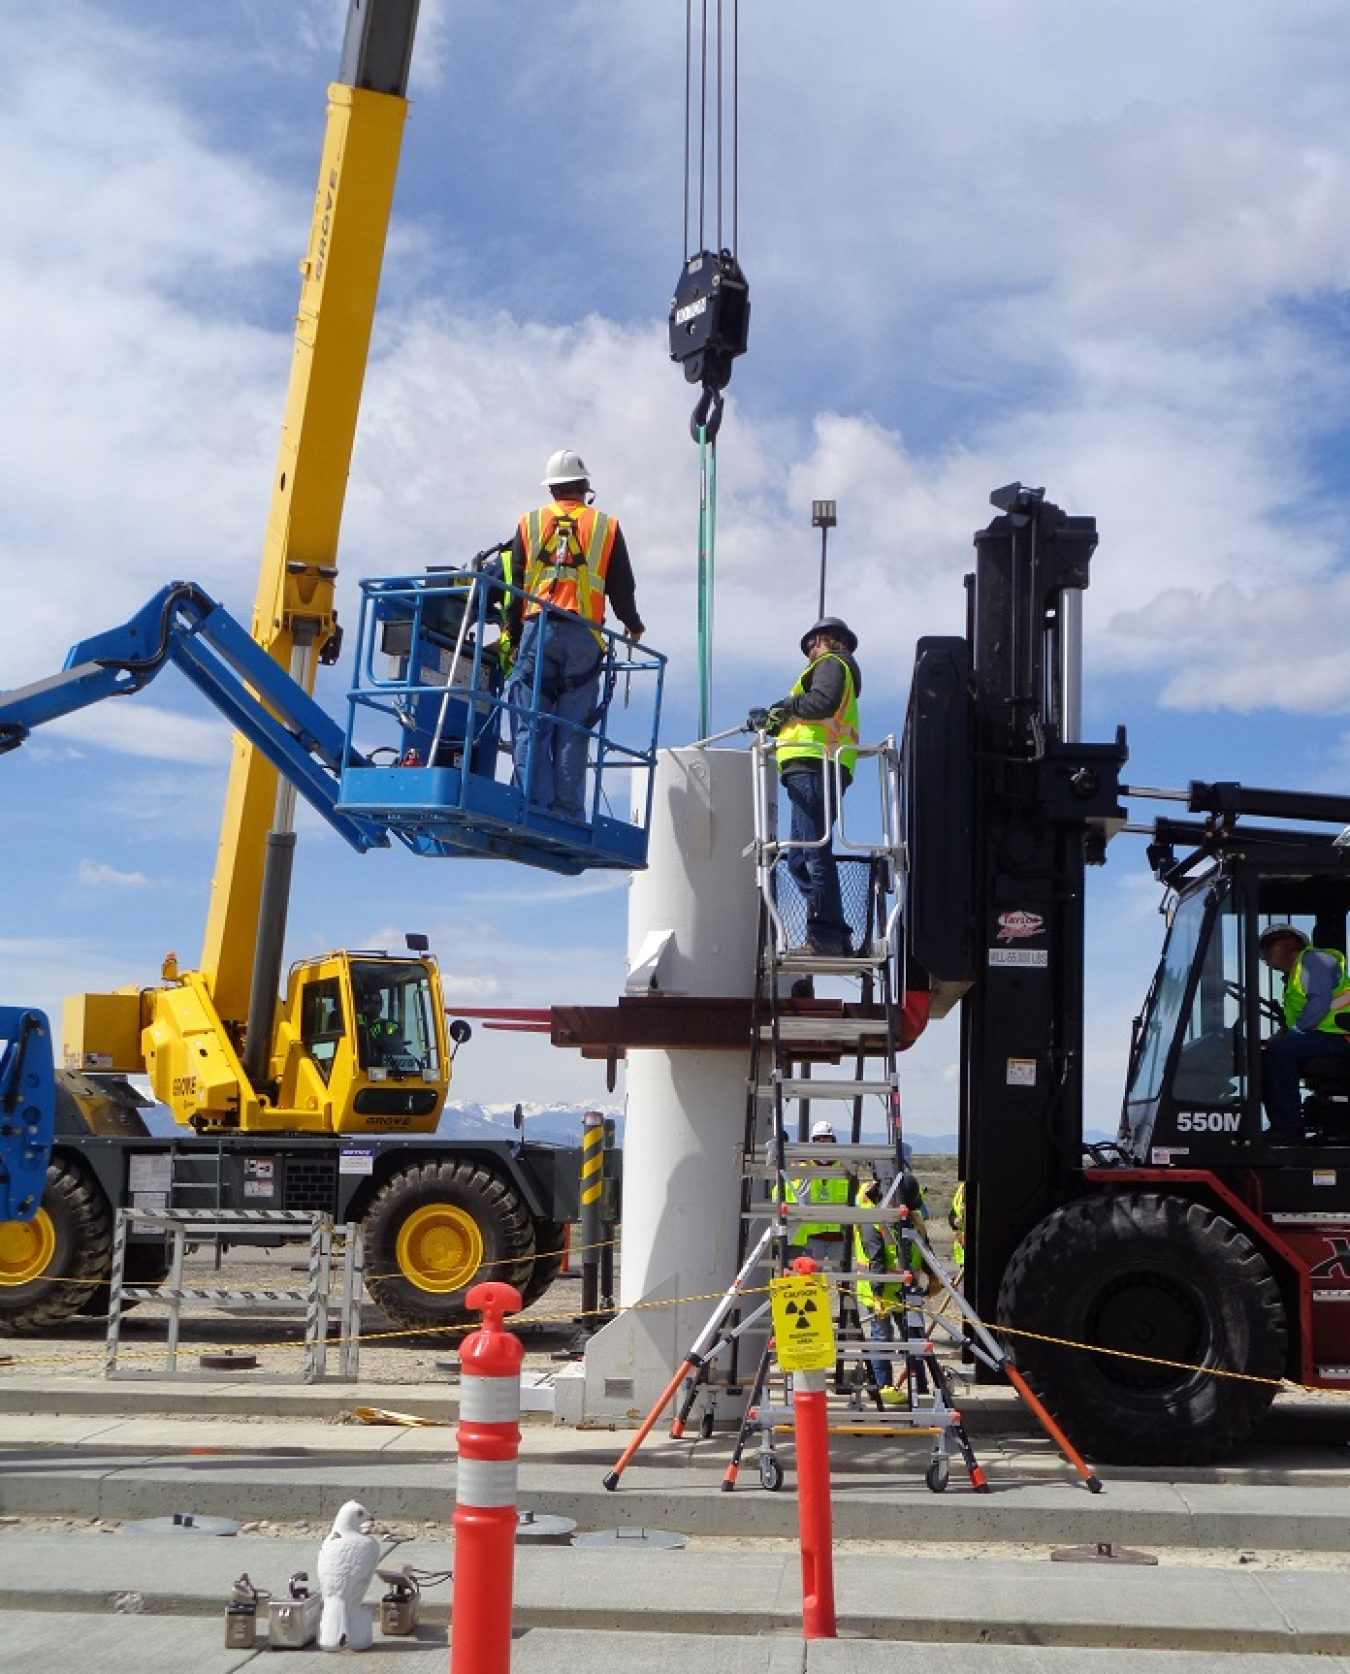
[822,518]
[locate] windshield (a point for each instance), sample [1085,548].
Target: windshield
[1209,1068]
[395,1026]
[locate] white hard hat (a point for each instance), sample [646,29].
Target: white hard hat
[1272,931]
[822,1129]
[565,466]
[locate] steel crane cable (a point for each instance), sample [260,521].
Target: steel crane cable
[726,178]
[698,332]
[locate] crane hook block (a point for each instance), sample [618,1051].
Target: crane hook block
[710,318]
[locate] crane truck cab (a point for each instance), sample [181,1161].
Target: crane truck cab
[359,1046]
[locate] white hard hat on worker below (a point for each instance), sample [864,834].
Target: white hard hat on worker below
[822,1130]
[565,466]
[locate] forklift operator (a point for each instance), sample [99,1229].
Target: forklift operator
[1316,1010]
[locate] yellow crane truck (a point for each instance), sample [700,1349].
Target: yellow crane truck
[327,1099]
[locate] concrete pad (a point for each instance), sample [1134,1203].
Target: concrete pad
[34,1641]
[552,1650]
[1043,1603]
[842,1656]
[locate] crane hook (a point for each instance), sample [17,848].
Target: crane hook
[706,419]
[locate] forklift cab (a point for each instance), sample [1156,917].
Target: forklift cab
[1194,1090]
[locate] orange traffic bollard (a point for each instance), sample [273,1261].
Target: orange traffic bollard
[815,1524]
[485,1487]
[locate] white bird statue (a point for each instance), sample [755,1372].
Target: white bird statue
[347,1561]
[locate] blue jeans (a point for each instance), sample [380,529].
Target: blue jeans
[1283,1056]
[881,1329]
[813,870]
[551,744]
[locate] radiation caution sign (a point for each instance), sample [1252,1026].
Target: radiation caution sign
[803,1322]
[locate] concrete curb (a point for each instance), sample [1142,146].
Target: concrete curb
[882,1599]
[886,1503]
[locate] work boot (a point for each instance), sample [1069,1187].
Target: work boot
[893,1397]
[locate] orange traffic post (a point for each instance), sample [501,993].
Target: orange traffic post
[810,1423]
[485,1487]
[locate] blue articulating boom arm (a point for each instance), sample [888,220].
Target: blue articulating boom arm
[182,625]
[27,1110]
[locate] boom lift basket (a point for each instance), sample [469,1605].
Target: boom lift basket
[429,674]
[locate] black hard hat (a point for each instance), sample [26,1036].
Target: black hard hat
[830,625]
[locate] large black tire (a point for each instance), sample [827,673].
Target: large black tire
[143,1264]
[1156,1277]
[550,1251]
[52,1265]
[434,1231]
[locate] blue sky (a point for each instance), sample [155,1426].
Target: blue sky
[1105,249]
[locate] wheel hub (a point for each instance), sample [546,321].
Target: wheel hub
[439,1248]
[26,1249]
[1150,1315]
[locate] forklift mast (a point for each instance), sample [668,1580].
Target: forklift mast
[1007,808]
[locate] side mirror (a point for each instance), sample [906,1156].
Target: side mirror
[459,1032]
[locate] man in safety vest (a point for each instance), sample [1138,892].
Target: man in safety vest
[822,1240]
[1317,1011]
[817,729]
[574,558]
[877,1249]
[956,1220]
[496,565]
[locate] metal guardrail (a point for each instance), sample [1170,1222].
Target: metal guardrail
[316,1301]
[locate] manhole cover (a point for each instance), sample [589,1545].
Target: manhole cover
[1104,1552]
[537,1528]
[635,1540]
[183,1523]
[228,1361]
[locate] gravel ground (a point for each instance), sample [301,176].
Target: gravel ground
[388,1353]
[1167,1557]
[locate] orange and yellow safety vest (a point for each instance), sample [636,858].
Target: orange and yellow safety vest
[567,549]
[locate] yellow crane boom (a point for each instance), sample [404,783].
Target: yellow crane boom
[293,612]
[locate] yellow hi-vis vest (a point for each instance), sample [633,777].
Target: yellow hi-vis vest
[956,1219]
[506,649]
[1296,995]
[815,1191]
[888,1295]
[567,551]
[822,740]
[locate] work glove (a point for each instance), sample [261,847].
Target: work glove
[769,720]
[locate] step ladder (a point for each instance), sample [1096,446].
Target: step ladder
[813,1057]
[797,1035]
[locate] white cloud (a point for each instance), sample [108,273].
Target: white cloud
[97,874]
[133,726]
[1100,249]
